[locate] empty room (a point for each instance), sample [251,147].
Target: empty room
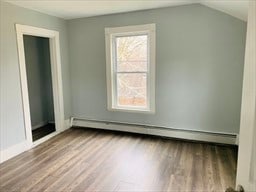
[128,95]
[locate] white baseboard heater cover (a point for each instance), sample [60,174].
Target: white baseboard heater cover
[223,138]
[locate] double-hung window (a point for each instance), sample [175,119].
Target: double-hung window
[130,57]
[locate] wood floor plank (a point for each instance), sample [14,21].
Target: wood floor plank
[104,168]
[39,151]
[208,181]
[96,160]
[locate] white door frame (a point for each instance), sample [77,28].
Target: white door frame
[53,36]
[246,167]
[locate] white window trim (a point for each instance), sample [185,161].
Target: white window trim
[110,33]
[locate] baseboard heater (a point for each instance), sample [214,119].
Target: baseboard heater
[222,138]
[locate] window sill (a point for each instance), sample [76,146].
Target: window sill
[131,110]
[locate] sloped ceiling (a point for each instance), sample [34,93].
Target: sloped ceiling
[68,9]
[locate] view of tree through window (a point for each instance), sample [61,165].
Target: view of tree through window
[131,70]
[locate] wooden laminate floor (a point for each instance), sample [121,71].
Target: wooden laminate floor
[97,160]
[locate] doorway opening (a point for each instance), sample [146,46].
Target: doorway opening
[41,83]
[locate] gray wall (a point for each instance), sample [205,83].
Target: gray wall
[200,54]
[12,129]
[199,68]
[38,67]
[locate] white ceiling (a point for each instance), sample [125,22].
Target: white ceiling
[71,9]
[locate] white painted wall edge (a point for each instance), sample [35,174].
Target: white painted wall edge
[25,145]
[246,164]
[158,131]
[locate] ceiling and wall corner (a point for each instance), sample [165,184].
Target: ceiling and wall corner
[79,9]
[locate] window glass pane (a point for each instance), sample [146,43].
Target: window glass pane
[132,89]
[131,53]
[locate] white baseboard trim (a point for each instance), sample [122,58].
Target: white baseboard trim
[67,124]
[222,138]
[24,146]
[13,151]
